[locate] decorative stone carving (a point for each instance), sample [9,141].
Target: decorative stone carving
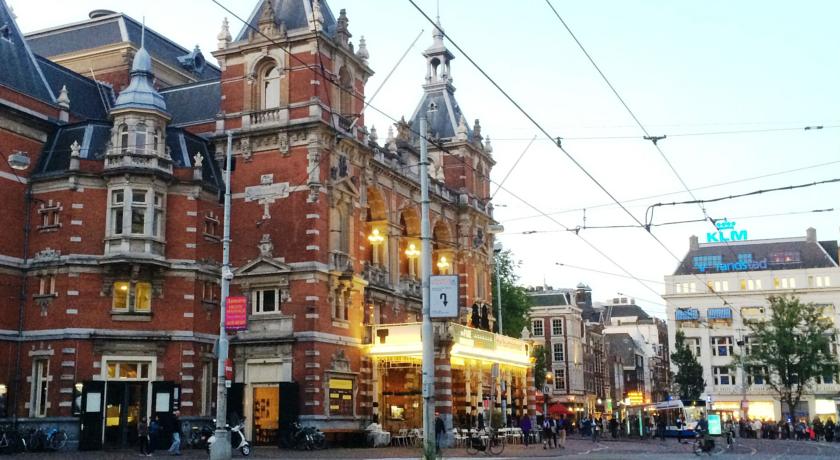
[339,362]
[461,133]
[373,135]
[316,21]
[75,155]
[245,148]
[314,158]
[363,53]
[198,160]
[63,98]
[224,35]
[487,147]
[283,143]
[342,33]
[47,254]
[266,246]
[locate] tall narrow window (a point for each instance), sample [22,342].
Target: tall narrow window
[345,83]
[140,138]
[271,88]
[155,140]
[559,356]
[138,211]
[157,217]
[40,388]
[117,203]
[123,138]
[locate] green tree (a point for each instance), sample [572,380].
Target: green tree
[515,302]
[791,348]
[689,379]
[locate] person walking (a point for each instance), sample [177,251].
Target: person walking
[525,426]
[562,427]
[596,428]
[143,436]
[175,429]
[660,427]
[154,434]
[440,431]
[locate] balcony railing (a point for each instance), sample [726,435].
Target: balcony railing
[340,261]
[410,286]
[268,117]
[137,158]
[376,275]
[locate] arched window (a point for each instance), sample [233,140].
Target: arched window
[345,97]
[271,88]
[123,146]
[140,138]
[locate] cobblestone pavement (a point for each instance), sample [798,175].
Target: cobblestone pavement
[576,447]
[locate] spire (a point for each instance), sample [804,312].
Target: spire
[438,58]
[141,92]
[224,37]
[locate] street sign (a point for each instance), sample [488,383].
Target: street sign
[443,296]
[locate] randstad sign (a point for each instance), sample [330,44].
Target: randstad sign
[726,232]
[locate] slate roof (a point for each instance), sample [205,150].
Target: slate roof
[812,254]
[442,122]
[93,137]
[549,299]
[109,30]
[20,70]
[619,311]
[88,98]
[194,103]
[294,13]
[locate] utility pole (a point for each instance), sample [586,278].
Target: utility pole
[428,334]
[220,450]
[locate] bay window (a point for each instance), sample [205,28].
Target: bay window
[141,215]
[131,296]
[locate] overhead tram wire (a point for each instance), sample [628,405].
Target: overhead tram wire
[434,142]
[720,184]
[558,144]
[688,221]
[510,171]
[686,134]
[654,139]
[578,267]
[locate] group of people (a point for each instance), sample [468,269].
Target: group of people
[151,433]
[801,430]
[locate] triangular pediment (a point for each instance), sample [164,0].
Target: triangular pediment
[262,266]
[346,186]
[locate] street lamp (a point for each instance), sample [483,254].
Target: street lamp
[443,265]
[375,239]
[412,253]
[744,406]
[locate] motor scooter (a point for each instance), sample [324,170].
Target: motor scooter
[237,439]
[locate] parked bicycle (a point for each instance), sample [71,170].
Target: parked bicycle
[46,439]
[488,442]
[11,441]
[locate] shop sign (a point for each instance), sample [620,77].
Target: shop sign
[636,397]
[726,232]
[474,338]
[443,296]
[714,424]
[236,313]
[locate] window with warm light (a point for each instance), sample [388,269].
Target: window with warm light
[128,297]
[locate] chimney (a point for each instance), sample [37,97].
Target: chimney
[811,235]
[693,242]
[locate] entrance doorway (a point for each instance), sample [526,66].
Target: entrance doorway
[266,415]
[124,406]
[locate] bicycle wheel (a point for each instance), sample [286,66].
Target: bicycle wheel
[496,446]
[697,447]
[58,440]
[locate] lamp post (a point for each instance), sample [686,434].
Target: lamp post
[221,449]
[744,406]
[428,335]
[549,382]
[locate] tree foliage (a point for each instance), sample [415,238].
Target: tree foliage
[540,355]
[689,379]
[791,348]
[515,302]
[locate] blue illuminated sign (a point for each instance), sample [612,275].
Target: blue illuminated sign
[726,232]
[735,266]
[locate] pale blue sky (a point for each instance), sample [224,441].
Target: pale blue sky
[683,67]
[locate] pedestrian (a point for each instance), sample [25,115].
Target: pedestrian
[596,429]
[154,434]
[525,426]
[480,421]
[546,432]
[175,429]
[613,427]
[660,425]
[562,427]
[829,430]
[679,430]
[440,431]
[143,437]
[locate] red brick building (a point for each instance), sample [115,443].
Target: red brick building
[110,261]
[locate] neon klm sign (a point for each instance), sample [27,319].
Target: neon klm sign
[726,232]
